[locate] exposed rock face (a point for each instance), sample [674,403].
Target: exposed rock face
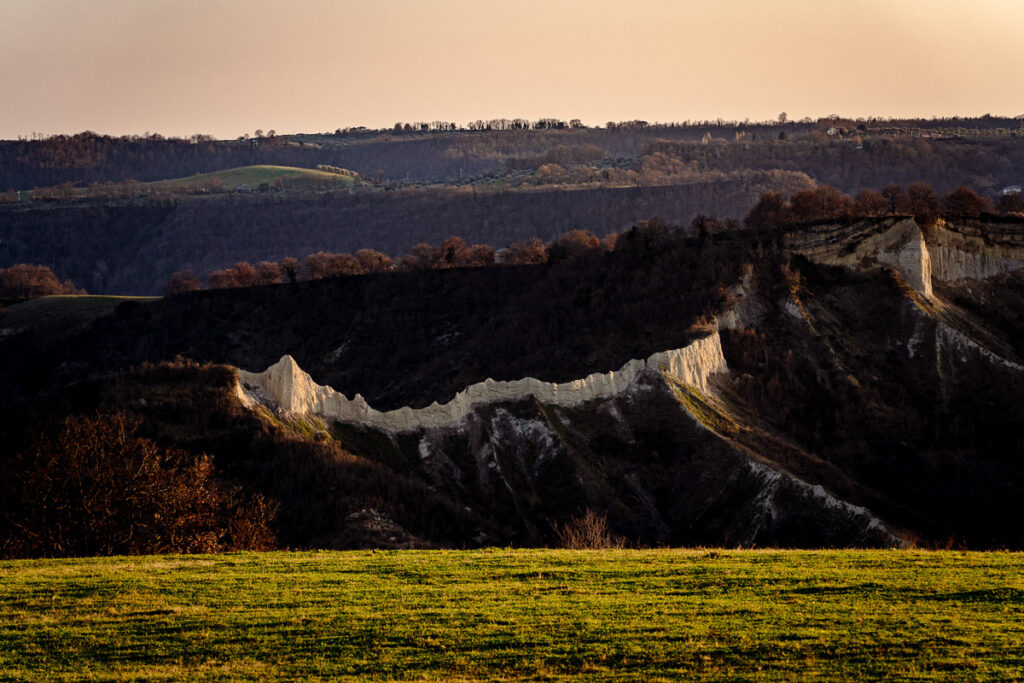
[960,251]
[673,454]
[748,309]
[892,243]
[950,251]
[528,451]
[296,392]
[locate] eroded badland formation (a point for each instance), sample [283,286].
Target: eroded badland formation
[831,384]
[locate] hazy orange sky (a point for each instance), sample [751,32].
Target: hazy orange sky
[224,67]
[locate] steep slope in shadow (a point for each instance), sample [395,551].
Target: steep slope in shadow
[413,337]
[857,400]
[909,404]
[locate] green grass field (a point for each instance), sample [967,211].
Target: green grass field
[53,317]
[504,614]
[291,177]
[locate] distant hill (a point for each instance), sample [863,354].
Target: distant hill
[133,246]
[886,151]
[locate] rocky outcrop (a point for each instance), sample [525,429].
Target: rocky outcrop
[287,386]
[948,251]
[748,308]
[527,451]
[890,243]
[961,251]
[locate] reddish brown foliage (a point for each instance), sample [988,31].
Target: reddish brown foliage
[573,244]
[242,274]
[180,283]
[826,202]
[321,265]
[25,281]
[1011,202]
[770,212]
[964,201]
[869,203]
[895,198]
[525,252]
[268,273]
[92,486]
[373,261]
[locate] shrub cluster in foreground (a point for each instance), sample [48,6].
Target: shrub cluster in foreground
[93,486]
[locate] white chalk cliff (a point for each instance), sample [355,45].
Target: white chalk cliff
[960,252]
[897,243]
[952,251]
[294,391]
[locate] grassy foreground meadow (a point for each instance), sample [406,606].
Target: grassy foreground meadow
[514,614]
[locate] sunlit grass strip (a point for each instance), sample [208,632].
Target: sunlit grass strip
[536,614]
[252,176]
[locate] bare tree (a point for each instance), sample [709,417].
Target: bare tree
[922,200]
[869,203]
[896,199]
[245,274]
[1011,202]
[422,256]
[322,265]
[290,268]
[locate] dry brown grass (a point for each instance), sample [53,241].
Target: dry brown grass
[588,532]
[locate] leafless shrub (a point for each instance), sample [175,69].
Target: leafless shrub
[589,532]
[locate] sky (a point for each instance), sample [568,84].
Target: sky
[227,67]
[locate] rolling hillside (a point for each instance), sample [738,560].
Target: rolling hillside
[252,177]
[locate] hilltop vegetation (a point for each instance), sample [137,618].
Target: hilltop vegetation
[524,615]
[913,150]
